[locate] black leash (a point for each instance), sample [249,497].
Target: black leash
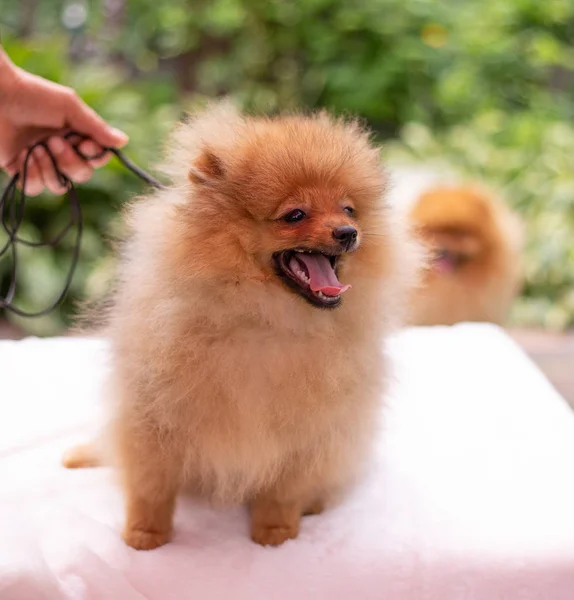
[12,216]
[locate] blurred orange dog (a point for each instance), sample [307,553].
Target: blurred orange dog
[239,372]
[475,264]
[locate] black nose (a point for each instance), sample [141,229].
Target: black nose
[345,235]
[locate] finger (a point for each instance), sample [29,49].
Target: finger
[69,163]
[34,183]
[12,168]
[83,119]
[49,175]
[89,148]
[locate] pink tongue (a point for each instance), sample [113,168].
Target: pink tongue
[444,264]
[321,274]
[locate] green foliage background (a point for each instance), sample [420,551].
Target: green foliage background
[483,87]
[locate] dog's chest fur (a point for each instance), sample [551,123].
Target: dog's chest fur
[254,400]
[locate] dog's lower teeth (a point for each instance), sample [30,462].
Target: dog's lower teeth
[325,297]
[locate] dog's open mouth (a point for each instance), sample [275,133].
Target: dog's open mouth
[313,275]
[447,261]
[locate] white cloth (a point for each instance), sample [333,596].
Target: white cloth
[470,497]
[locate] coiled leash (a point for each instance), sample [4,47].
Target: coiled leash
[12,216]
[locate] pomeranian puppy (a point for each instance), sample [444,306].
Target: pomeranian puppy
[239,372]
[474,243]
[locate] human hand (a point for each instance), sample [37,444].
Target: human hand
[33,109]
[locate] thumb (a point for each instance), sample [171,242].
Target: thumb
[81,118]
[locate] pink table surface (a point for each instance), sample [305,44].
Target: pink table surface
[470,495]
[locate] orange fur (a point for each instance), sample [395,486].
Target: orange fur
[225,382]
[476,230]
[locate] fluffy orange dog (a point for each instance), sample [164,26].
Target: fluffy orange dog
[475,269]
[240,374]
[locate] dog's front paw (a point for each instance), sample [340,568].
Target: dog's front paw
[273,535]
[145,540]
[315,508]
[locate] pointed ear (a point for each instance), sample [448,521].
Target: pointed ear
[207,169]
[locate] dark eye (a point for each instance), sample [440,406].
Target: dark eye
[349,210]
[294,216]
